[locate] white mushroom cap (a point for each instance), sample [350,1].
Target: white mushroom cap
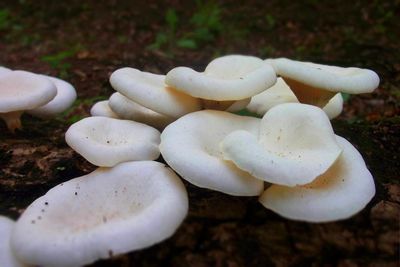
[7,257]
[230,105]
[20,91]
[279,93]
[316,83]
[102,109]
[296,143]
[190,146]
[150,91]
[4,70]
[107,212]
[66,95]
[232,77]
[334,107]
[129,110]
[106,141]
[341,192]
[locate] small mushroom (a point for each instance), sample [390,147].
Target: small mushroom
[21,91]
[233,77]
[108,212]
[7,257]
[281,93]
[150,91]
[295,144]
[106,141]
[342,191]
[66,95]
[316,83]
[190,146]
[129,110]
[102,109]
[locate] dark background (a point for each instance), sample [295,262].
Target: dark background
[83,42]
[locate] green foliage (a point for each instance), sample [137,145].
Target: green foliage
[205,24]
[345,97]
[5,19]
[58,60]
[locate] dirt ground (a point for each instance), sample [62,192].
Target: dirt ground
[83,42]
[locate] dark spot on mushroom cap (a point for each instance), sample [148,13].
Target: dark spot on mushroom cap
[33,221]
[104,219]
[39,217]
[76,193]
[43,210]
[46,203]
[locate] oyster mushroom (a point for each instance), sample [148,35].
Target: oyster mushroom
[7,257]
[190,146]
[102,109]
[108,212]
[316,84]
[106,141]
[233,77]
[295,144]
[21,91]
[342,191]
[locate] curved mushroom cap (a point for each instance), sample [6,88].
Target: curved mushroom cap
[279,93]
[295,144]
[107,212]
[7,258]
[66,95]
[232,77]
[325,77]
[129,110]
[341,192]
[190,146]
[106,141]
[22,90]
[334,107]
[103,109]
[150,91]
[4,70]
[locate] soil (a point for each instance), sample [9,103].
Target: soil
[84,42]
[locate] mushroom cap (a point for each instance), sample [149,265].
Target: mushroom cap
[103,109]
[22,90]
[341,192]
[66,95]
[231,77]
[279,93]
[4,70]
[106,141]
[330,78]
[296,144]
[334,107]
[7,257]
[129,110]
[190,146]
[150,91]
[230,105]
[107,212]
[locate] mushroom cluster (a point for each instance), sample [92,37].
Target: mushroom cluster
[39,95]
[290,158]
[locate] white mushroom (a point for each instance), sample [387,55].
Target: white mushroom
[150,91]
[66,95]
[106,141]
[102,109]
[105,213]
[341,192]
[129,110]
[279,93]
[316,83]
[7,257]
[20,91]
[230,106]
[295,144]
[190,146]
[231,77]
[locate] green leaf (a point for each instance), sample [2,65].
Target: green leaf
[187,43]
[171,18]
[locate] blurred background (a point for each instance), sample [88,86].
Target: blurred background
[83,42]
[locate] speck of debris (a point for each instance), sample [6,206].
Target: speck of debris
[39,217]
[33,222]
[104,219]
[46,203]
[42,210]
[108,141]
[76,193]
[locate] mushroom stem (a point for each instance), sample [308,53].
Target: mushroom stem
[12,119]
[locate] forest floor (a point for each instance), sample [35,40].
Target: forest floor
[83,42]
